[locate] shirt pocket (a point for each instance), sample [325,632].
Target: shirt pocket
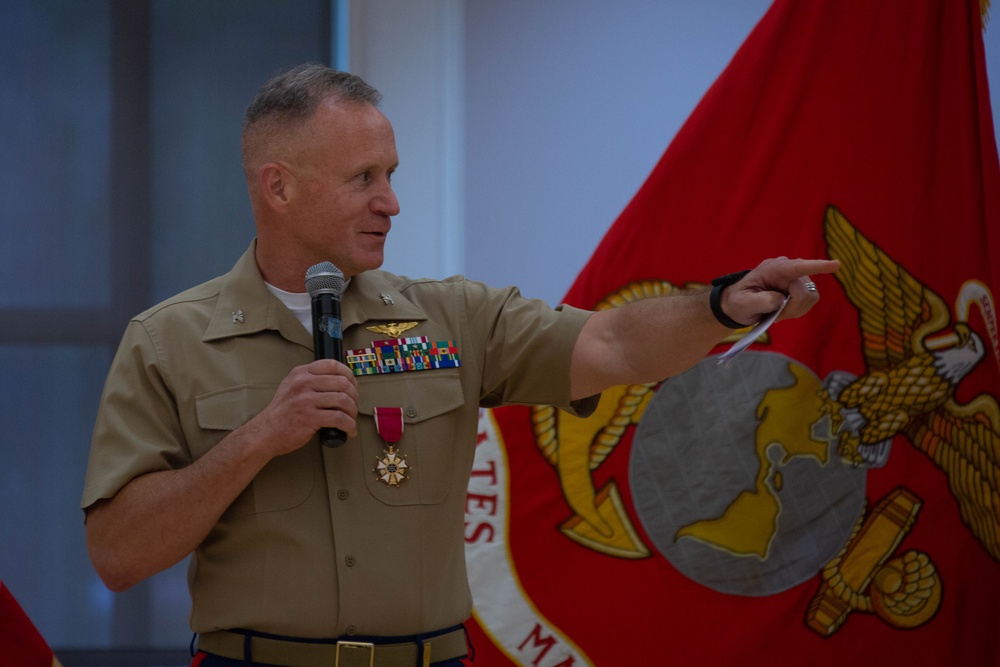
[286,481]
[430,402]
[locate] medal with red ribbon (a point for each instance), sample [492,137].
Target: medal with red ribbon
[391,468]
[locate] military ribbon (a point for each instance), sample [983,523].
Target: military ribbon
[391,468]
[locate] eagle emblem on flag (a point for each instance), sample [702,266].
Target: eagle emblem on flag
[916,357]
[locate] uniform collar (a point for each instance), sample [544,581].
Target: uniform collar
[370,296]
[245,306]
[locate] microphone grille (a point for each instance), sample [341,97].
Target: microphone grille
[324,278]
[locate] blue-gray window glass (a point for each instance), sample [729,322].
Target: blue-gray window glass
[122,185]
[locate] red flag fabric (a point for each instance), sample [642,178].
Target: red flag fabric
[20,642]
[830,495]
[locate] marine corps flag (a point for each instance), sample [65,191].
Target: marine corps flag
[829,496]
[20,642]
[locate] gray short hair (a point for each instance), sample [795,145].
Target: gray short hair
[292,96]
[297,92]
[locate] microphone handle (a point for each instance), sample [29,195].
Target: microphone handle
[328,343]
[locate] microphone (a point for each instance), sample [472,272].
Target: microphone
[325,284]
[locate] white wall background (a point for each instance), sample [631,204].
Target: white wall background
[524,127]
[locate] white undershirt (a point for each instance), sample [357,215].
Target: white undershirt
[300,303]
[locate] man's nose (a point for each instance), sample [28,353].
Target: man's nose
[385,202]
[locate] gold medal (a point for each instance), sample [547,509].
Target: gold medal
[391,468]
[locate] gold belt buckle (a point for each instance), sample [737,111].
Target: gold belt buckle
[355,645]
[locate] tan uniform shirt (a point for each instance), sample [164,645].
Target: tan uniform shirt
[317,545]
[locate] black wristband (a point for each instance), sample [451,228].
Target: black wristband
[715,298]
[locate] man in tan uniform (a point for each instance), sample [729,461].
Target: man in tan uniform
[205,441]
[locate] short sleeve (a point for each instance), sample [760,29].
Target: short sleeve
[528,350]
[137,430]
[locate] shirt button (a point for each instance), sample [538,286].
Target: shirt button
[351,630]
[342,494]
[411,411]
[350,561]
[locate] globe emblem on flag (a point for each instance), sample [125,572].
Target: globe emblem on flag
[735,477]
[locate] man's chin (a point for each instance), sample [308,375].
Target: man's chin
[369,265]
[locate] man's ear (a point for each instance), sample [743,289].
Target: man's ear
[275,184]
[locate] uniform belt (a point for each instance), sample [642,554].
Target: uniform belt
[411,651]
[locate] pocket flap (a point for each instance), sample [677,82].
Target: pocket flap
[228,409]
[421,395]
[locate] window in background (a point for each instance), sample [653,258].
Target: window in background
[125,186]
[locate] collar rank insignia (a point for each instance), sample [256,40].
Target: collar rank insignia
[393,329]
